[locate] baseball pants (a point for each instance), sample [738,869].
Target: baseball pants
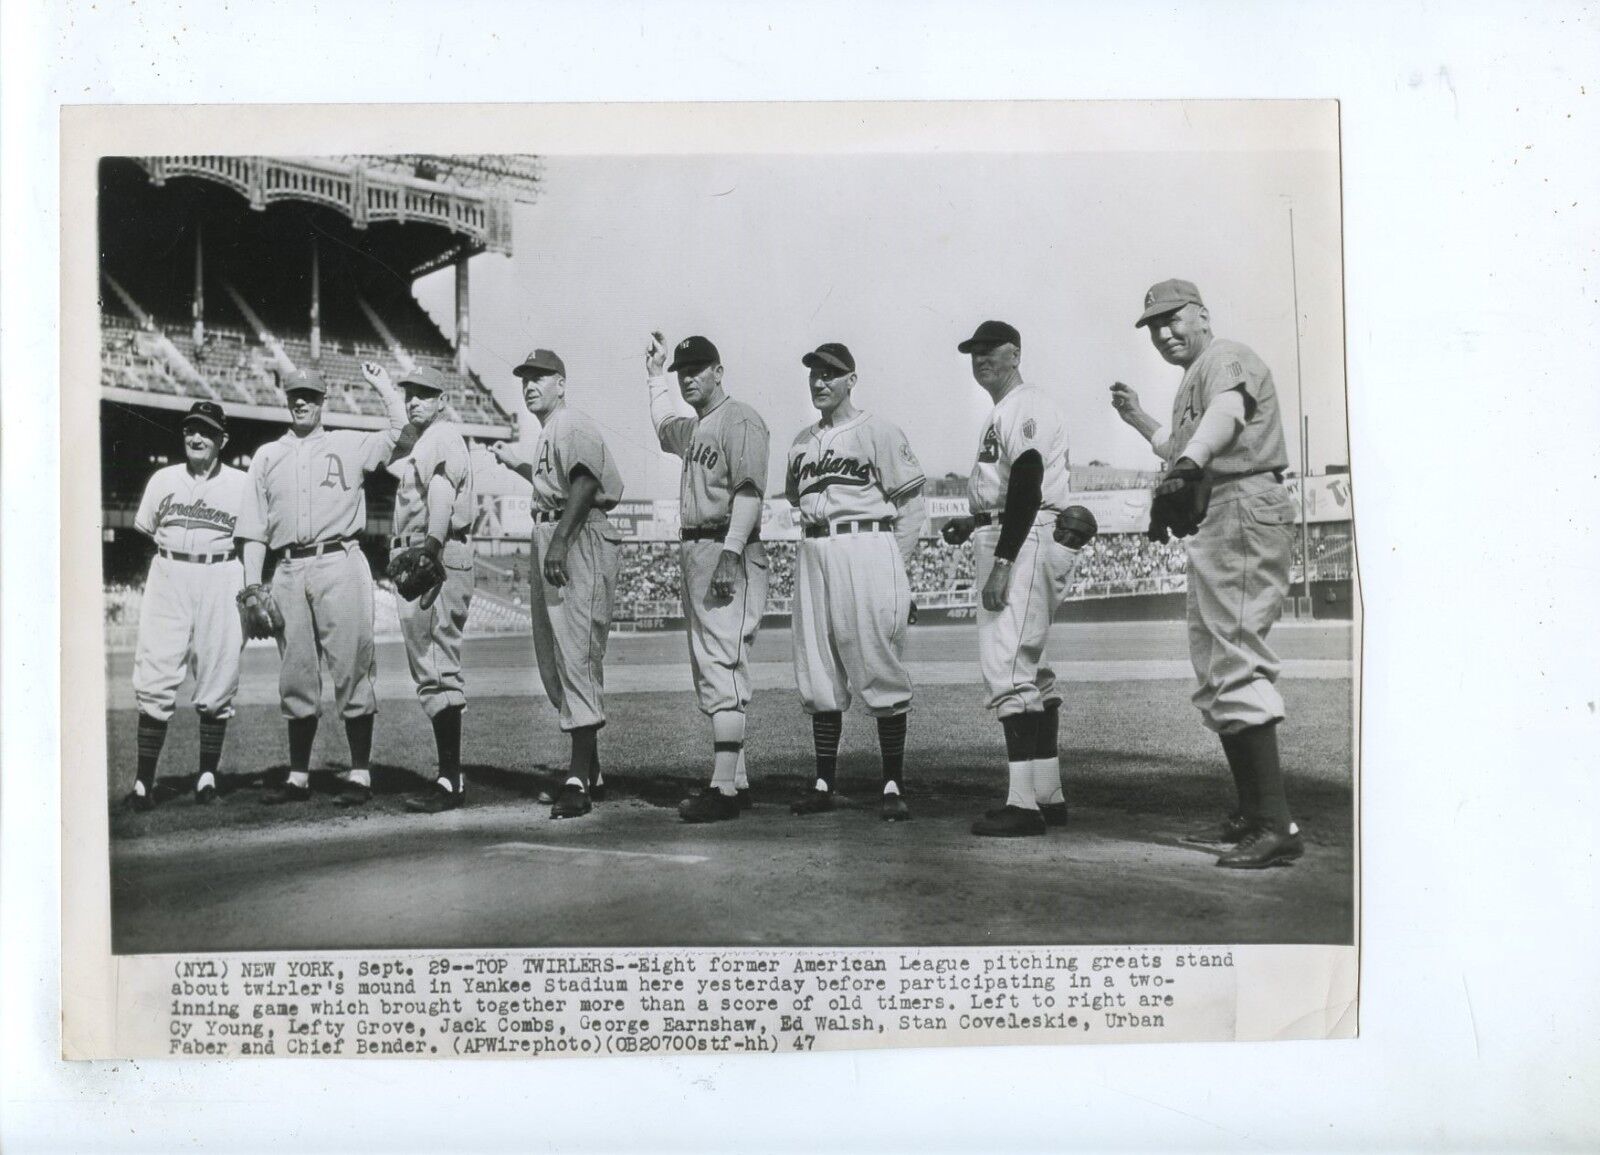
[580,617]
[189,624]
[1011,642]
[720,637]
[433,635]
[1238,578]
[327,613]
[850,605]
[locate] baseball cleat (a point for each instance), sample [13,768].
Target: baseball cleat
[1264,847]
[572,802]
[1009,822]
[143,803]
[205,796]
[746,800]
[1230,830]
[280,795]
[710,805]
[894,809]
[812,802]
[436,801]
[598,792]
[353,794]
[1053,813]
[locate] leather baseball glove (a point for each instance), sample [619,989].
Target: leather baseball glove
[418,572]
[957,530]
[258,613]
[1075,527]
[1180,501]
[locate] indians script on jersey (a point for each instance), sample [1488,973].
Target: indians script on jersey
[194,514]
[851,470]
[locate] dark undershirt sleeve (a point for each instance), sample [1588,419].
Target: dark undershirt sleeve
[1024,496]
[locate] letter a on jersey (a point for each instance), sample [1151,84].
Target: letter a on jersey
[335,475]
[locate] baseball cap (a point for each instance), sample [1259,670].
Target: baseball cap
[989,334]
[830,356]
[538,363]
[424,377]
[206,413]
[1167,297]
[694,353]
[303,379]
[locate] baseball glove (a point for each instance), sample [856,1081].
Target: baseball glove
[1180,501]
[417,572]
[258,613]
[1075,527]
[957,530]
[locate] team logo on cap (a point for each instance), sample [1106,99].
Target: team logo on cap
[1149,299]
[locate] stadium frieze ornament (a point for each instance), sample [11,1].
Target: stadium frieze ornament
[363,193]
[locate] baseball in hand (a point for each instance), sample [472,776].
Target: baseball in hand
[502,453]
[375,373]
[1123,399]
[655,357]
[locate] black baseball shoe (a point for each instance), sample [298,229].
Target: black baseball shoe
[893,808]
[143,803]
[598,792]
[1264,847]
[710,805]
[206,795]
[572,802]
[1009,822]
[281,795]
[746,799]
[1053,813]
[812,802]
[1230,830]
[353,794]
[436,801]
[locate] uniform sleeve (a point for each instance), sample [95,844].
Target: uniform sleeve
[1030,426]
[145,520]
[791,472]
[747,454]
[252,523]
[584,447]
[443,453]
[674,431]
[898,468]
[1232,368]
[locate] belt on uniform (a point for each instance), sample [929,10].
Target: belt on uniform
[543,516]
[712,533]
[418,538]
[316,549]
[862,525]
[197,558]
[1219,478]
[983,519]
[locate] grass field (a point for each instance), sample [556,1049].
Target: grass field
[500,872]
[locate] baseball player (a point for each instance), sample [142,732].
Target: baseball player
[305,503]
[725,574]
[1017,488]
[858,487]
[574,566]
[433,513]
[187,619]
[1225,456]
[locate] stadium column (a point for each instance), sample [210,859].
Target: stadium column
[463,320]
[316,303]
[199,302]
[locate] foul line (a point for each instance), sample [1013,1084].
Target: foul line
[519,847]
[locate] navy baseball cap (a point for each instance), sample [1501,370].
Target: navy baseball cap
[206,413]
[988,335]
[694,353]
[303,379]
[424,377]
[539,363]
[1167,297]
[832,358]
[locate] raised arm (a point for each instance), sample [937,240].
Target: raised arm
[673,430]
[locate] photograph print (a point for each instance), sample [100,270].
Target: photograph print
[912,543]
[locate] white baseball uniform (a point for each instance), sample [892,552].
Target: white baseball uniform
[851,590]
[1011,641]
[433,635]
[722,451]
[188,619]
[1239,558]
[580,612]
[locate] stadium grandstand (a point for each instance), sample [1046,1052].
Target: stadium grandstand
[218,274]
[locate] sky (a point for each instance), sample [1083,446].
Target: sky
[900,256]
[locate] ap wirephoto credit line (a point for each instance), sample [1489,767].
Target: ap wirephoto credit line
[899,608]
